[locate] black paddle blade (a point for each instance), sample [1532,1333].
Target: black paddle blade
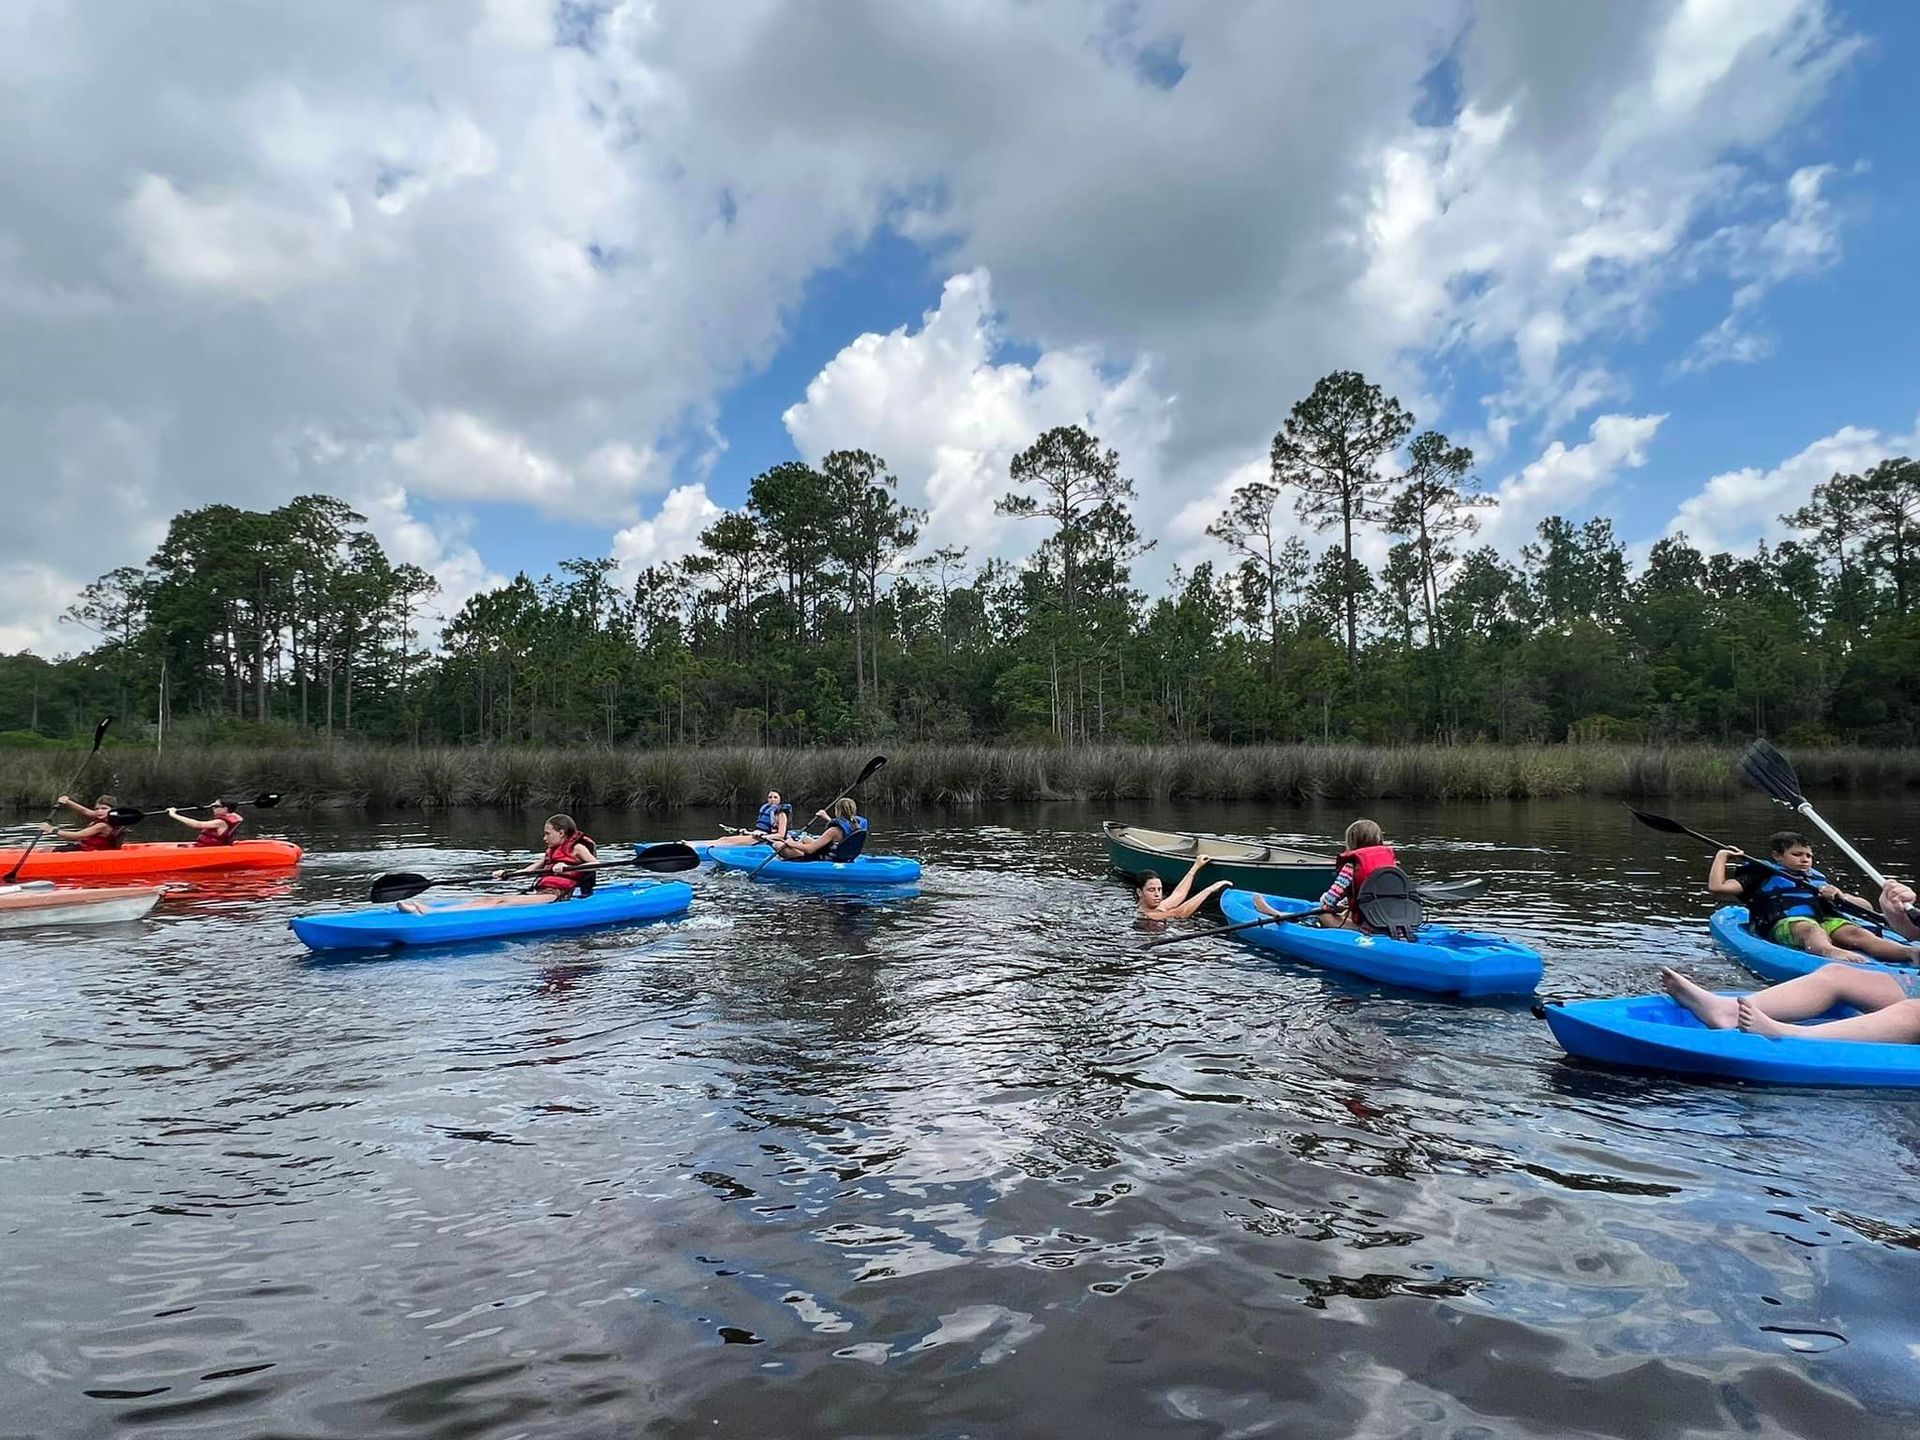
[264,802]
[667,859]
[125,815]
[100,730]
[1771,773]
[867,774]
[1658,822]
[401,885]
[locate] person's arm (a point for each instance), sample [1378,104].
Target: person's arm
[1177,897]
[1191,906]
[77,808]
[192,823]
[1337,891]
[1718,881]
[780,826]
[1894,900]
[99,827]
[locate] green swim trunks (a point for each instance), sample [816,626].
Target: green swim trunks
[1782,932]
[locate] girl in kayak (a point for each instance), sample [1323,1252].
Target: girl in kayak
[1889,1013]
[770,826]
[843,839]
[217,831]
[99,833]
[568,848]
[1795,908]
[1367,851]
[1157,904]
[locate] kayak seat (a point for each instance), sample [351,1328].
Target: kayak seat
[850,848]
[1388,905]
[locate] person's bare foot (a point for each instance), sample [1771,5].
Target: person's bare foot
[1755,1022]
[412,907]
[1716,1012]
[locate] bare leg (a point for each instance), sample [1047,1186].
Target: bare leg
[1855,937]
[1716,1012]
[1805,996]
[1813,940]
[1896,1024]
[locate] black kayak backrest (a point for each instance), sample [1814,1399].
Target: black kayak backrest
[1387,904]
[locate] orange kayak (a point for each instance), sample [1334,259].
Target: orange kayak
[161,859]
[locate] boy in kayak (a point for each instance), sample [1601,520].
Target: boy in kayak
[1157,904]
[566,867]
[99,833]
[843,839]
[1796,908]
[770,826]
[1367,851]
[217,831]
[1889,1013]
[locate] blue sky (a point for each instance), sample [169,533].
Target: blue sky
[519,297]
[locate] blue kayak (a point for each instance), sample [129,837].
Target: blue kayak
[1651,1032]
[865,870]
[1452,962]
[444,923]
[1771,962]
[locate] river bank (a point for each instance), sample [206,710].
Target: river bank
[599,777]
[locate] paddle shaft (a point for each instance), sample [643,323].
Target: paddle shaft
[1675,827]
[1295,918]
[99,734]
[403,885]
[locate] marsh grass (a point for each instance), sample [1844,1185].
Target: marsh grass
[937,776]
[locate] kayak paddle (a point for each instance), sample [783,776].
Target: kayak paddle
[1771,773]
[865,775]
[99,734]
[132,815]
[664,859]
[1674,827]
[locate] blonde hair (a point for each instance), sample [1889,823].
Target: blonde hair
[1362,833]
[845,808]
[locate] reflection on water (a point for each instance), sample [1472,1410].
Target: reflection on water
[966,1160]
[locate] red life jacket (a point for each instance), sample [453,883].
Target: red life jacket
[1365,860]
[109,841]
[566,883]
[222,836]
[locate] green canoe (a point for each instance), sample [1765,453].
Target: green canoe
[1265,869]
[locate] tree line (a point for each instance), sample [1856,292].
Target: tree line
[813,615]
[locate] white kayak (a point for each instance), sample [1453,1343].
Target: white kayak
[41,902]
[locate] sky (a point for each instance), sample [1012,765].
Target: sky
[530,279]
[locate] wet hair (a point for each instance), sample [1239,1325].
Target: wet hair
[1782,841]
[845,808]
[1140,878]
[1362,833]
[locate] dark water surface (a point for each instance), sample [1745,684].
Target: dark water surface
[969,1163]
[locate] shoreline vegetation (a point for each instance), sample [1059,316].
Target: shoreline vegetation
[918,775]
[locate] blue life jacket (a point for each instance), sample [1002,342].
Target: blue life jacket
[853,839]
[768,813]
[1773,897]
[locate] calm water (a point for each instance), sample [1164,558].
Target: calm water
[973,1163]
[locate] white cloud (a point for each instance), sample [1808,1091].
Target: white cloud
[672,534]
[1566,478]
[518,267]
[235,245]
[949,420]
[36,596]
[1738,508]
